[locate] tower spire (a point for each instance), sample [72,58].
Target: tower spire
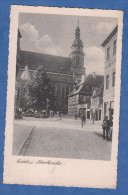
[77,55]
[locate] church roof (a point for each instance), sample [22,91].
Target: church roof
[94,80]
[56,64]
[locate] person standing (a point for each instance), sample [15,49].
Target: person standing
[105,127]
[82,120]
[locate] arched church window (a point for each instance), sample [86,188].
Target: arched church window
[74,59]
[55,88]
[54,91]
[77,60]
[63,92]
[66,95]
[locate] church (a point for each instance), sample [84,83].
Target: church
[63,72]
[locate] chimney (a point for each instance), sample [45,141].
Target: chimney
[83,78]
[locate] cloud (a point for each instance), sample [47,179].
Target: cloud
[28,31]
[103,29]
[94,60]
[31,41]
[106,26]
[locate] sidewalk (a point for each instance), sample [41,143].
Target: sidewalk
[20,135]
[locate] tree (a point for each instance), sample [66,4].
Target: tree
[41,92]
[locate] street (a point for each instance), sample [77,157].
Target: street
[60,138]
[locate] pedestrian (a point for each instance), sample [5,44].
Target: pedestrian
[93,118]
[82,120]
[60,114]
[105,127]
[75,115]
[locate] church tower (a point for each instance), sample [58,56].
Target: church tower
[77,56]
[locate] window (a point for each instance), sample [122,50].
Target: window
[55,88]
[66,95]
[113,79]
[114,48]
[108,53]
[84,99]
[88,99]
[87,87]
[105,109]
[107,81]
[111,111]
[78,60]
[80,98]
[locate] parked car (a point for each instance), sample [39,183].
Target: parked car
[38,115]
[28,113]
[18,113]
[41,115]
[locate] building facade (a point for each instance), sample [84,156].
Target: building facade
[97,102]
[63,72]
[80,97]
[109,73]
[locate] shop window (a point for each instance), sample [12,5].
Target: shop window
[111,111]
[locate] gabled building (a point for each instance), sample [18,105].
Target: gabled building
[110,45]
[97,102]
[80,98]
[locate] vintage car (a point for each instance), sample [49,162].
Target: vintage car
[18,113]
[28,113]
[42,114]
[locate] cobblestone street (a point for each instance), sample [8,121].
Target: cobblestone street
[63,138]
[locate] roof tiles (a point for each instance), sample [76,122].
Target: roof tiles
[51,63]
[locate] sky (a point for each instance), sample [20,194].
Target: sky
[54,35]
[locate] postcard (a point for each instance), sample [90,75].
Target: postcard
[63,97]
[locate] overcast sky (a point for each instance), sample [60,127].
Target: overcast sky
[54,34]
